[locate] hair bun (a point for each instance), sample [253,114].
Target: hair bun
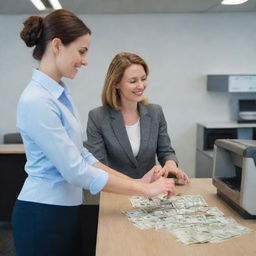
[32,31]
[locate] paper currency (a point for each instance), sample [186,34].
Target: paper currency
[187,217]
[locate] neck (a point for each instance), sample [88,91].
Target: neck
[129,107]
[47,66]
[130,112]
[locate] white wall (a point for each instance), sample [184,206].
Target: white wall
[181,49]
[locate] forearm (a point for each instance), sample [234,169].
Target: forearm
[171,164]
[111,171]
[117,184]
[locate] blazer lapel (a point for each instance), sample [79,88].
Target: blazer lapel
[145,127]
[118,127]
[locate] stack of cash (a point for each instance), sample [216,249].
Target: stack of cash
[187,217]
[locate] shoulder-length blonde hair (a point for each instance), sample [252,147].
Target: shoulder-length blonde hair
[110,95]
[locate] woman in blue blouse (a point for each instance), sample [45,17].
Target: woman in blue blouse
[46,214]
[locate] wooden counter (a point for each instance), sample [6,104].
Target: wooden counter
[12,149]
[118,237]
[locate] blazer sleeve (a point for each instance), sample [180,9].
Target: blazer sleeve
[164,148]
[95,142]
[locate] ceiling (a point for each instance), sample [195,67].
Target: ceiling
[129,6]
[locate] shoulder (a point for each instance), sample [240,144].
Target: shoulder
[34,93]
[99,113]
[153,109]
[35,107]
[35,100]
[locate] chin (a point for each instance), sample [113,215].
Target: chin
[139,99]
[71,76]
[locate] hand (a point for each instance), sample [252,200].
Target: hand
[162,185]
[181,177]
[170,167]
[154,174]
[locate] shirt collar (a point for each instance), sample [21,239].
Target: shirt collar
[54,88]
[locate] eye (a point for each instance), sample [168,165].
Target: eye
[144,79]
[132,81]
[82,52]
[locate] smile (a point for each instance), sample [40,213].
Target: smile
[138,93]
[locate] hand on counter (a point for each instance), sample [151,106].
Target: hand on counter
[170,167]
[154,174]
[162,185]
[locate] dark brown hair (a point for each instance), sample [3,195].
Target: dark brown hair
[116,69]
[61,24]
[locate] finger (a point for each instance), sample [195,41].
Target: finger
[178,174]
[166,174]
[157,168]
[182,175]
[180,181]
[186,178]
[170,180]
[170,188]
[157,176]
[183,178]
[163,172]
[170,194]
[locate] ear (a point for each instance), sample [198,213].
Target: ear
[56,45]
[117,86]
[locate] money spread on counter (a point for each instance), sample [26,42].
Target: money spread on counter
[187,217]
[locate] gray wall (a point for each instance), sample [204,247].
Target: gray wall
[181,49]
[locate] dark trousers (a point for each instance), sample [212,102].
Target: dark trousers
[89,224]
[46,230]
[23,229]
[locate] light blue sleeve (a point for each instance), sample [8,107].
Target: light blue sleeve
[89,156]
[41,118]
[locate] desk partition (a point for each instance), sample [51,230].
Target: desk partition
[12,177]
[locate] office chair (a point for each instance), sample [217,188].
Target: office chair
[12,138]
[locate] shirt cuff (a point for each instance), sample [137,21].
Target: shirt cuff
[98,182]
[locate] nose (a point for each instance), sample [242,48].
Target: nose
[84,61]
[140,84]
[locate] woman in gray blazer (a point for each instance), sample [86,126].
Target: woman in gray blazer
[127,133]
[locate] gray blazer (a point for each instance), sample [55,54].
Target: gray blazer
[108,141]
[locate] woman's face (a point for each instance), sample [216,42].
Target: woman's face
[72,56]
[133,84]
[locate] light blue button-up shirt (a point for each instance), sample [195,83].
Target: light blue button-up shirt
[58,165]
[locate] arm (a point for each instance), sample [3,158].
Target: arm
[111,171]
[164,148]
[152,175]
[42,122]
[120,183]
[166,154]
[117,184]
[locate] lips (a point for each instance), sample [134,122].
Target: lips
[76,68]
[138,93]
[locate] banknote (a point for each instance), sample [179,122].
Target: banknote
[187,217]
[212,232]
